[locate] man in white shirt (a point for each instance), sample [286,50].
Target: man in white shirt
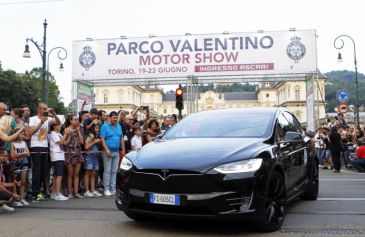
[39,127]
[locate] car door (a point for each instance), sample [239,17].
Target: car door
[285,150]
[300,152]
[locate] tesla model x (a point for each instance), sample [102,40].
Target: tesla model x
[241,164]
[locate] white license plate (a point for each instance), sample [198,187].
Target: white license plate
[165,199]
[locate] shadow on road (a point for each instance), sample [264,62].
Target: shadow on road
[199,228]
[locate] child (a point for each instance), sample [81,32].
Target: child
[19,152]
[93,147]
[136,142]
[6,197]
[74,140]
[58,160]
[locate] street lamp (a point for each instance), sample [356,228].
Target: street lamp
[61,67]
[61,51]
[45,59]
[339,58]
[42,50]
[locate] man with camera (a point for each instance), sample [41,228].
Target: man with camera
[141,115]
[39,127]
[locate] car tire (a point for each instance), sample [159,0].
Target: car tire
[274,205]
[312,188]
[136,217]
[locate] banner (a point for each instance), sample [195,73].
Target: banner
[310,103]
[84,96]
[234,54]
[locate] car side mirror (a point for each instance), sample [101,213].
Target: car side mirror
[292,136]
[158,137]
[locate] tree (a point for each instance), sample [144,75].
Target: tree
[343,80]
[17,89]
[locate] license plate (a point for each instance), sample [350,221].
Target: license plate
[165,199]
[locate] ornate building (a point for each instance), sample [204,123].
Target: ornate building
[289,94]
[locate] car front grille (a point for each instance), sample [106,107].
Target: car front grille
[174,181]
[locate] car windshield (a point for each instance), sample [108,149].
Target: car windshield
[222,125]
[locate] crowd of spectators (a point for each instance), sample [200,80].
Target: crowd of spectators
[42,157]
[340,144]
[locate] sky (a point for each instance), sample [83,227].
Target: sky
[70,20]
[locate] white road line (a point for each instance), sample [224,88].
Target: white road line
[342,180]
[341,199]
[352,172]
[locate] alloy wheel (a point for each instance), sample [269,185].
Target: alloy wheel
[276,201]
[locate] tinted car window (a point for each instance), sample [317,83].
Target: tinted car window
[282,127]
[222,125]
[293,123]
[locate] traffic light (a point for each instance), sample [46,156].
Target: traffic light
[179,99]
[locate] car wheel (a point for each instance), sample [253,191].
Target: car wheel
[275,204]
[136,217]
[311,192]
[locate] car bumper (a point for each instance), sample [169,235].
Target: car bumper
[206,196]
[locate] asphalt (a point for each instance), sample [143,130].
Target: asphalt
[339,211]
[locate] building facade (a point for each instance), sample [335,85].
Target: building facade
[289,94]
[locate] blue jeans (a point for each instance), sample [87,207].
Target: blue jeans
[346,156]
[110,171]
[319,152]
[359,164]
[326,155]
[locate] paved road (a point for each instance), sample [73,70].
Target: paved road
[339,211]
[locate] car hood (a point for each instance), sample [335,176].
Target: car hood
[194,154]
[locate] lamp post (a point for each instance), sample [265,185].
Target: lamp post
[42,50]
[60,57]
[340,46]
[45,59]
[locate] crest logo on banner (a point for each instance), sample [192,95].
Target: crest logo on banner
[296,49]
[87,58]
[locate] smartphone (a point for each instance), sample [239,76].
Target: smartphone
[45,114]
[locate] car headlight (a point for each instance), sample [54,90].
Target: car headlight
[126,164]
[240,167]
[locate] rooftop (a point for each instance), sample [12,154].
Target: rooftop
[227,96]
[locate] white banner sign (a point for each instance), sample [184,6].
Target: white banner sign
[279,52]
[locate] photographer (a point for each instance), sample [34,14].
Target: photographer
[319,146]
[39,127]
[326,154]
[144,113]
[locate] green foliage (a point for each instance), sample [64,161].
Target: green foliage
[17,89]
[338,80]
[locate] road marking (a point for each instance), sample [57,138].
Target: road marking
[341,179]
[327,213]
[352,172]
[341,199]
